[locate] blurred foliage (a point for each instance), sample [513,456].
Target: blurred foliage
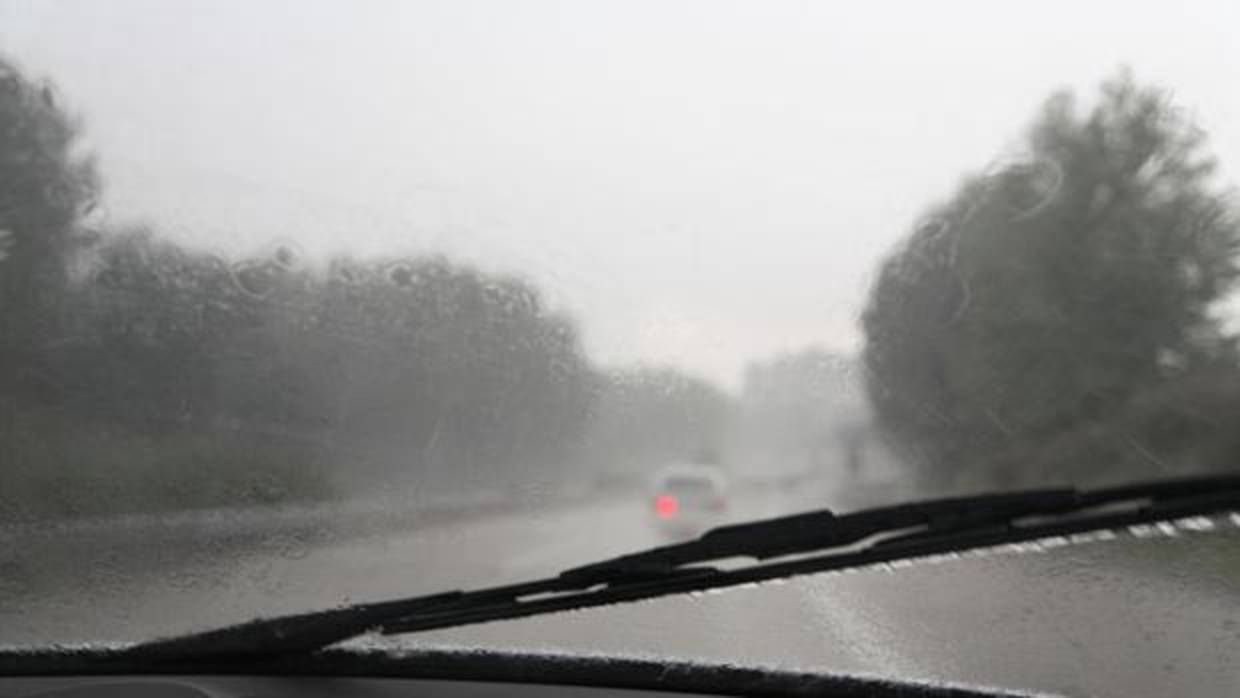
[141,374]
[1022,329]
[411,371]
[59,465]
[1055,320]
[47,185]
[1183,427]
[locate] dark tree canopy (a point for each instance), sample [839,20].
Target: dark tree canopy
[1047,294]
[46,186]
[222,372]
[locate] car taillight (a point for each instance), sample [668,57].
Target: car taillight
[666,506]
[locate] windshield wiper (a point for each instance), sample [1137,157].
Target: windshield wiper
[823,540]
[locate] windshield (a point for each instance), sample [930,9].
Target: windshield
[1090,615]
[322,302]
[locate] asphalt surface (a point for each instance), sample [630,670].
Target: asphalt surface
[136,580]
[1152,616]
[1149,614]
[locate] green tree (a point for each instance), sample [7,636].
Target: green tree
[46,187]
[445,371]
[1047,294]
[148,328]
[250,379]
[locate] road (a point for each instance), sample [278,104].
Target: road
[1155,614]
[1082,619]
[135,581]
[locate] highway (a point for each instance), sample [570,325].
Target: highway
[158,577]
[1077,619]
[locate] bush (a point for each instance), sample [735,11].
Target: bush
[56,466]
[1182,428]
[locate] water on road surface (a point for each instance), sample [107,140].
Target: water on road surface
[138,581]
[1121,616]
[1118,615]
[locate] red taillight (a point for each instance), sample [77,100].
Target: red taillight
[666,506]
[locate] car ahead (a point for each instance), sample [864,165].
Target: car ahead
[1121,591]
[687,499]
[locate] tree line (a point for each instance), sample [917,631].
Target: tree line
[141,373]
[1056,319]
[1060,318]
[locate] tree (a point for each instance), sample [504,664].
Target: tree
[268,369]
[147,329]
[1049,293]
[46,187]
[445,372]
[411,364]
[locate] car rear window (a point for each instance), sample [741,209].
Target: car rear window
[689,486]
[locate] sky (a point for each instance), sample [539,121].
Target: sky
[699,183]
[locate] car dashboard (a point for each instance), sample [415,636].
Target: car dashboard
[293,687]
[432,673]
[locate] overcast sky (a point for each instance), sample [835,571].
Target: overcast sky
[699,183]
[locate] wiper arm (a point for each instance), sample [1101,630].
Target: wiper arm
[826,541]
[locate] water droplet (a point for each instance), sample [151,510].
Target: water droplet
[256,279]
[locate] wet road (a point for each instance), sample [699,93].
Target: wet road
[1128,615]
[1157,616]
[155,578]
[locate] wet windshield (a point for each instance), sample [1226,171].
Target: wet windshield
[1089,615]
[312,303]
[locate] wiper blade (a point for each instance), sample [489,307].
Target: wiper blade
[826,541]
[820,530]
